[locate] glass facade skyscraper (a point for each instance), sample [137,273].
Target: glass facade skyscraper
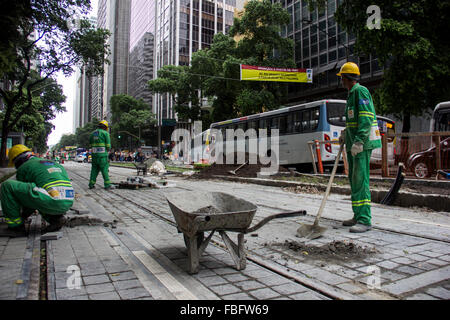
[321,44]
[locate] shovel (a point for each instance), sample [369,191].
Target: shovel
[233,172]
[315,231]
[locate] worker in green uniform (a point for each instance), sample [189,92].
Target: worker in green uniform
[41,185]
[100,143]
[361,137]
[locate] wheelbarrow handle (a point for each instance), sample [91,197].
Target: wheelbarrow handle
[275,216]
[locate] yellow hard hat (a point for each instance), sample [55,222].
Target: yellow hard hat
[15,151]
[349,67]
[105,123]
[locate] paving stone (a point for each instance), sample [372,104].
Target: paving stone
[438,262]
[126,284]
[418,257]
[445,257]
[88,280]
[274,280]
[439,292]
[211,281]
[431,254]
[224,289]
[67,294]
[409,270]
[264,293]
[258,273]
[135,293]
[238,296]
[105,296]
[387,264]
[403,260]
[223,271]
[392,276]
[307,296]
[99,288]
[249,285]
[119,276]
[235,277]
[420,296]
[324,276]
[350,287]
[424,266]
[289,288]
[418,281]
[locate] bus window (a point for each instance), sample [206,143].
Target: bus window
[290,123]
[306,118]
[262,124]
[315,118]
[282,125]
[274,123]
[336,114]
[298,122]
[443,122]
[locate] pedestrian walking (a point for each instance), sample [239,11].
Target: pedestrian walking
[362,135]
[100,143]
[40,184]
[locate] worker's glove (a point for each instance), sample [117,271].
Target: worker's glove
[357,147]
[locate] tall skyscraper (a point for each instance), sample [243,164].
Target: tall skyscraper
[321,44]
[113,15]
[183,27]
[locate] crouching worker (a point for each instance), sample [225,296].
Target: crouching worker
[41,185]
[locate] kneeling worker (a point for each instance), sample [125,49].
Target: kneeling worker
[41,185]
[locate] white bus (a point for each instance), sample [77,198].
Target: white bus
[298,124]
[440,121]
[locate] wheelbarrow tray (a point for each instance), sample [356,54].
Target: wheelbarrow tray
[196,212]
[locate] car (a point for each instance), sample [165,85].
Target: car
[81,157]
[423,163]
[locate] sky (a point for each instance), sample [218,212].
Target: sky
[64,121]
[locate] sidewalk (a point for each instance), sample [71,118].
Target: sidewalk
[124,248]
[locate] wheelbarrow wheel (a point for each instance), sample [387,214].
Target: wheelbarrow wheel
[200,237]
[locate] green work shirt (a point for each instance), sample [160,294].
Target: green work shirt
[44,173]
[100,143]
[361,120]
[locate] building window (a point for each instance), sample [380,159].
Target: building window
[323,59]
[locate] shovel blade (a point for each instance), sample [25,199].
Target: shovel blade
[310,232]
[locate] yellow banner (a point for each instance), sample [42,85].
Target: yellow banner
[255,73]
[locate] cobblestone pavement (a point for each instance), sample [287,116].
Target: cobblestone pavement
[135,254]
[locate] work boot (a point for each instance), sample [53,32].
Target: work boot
[110,187]
[91,187]
[360,228]
[14,232]
[56,223]
[349,223]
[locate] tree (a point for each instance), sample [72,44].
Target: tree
[131,115]
[56,47]
[412,44]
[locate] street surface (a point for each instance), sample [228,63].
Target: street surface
[133,250]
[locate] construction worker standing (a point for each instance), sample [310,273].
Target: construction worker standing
[41,185]
[361,137]
[100,143]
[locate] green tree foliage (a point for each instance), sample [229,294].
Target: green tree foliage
[43,34]
[412,45]
[131,115]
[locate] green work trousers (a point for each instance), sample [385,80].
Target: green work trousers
[25,197]
[359,176]
[99,164]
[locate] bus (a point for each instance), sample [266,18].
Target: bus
[297,124]
[440,120]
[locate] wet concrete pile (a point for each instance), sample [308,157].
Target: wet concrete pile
[334,250]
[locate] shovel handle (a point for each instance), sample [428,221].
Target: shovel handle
[276,216]
[327,192]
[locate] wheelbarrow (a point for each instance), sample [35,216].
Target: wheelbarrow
[197,212]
